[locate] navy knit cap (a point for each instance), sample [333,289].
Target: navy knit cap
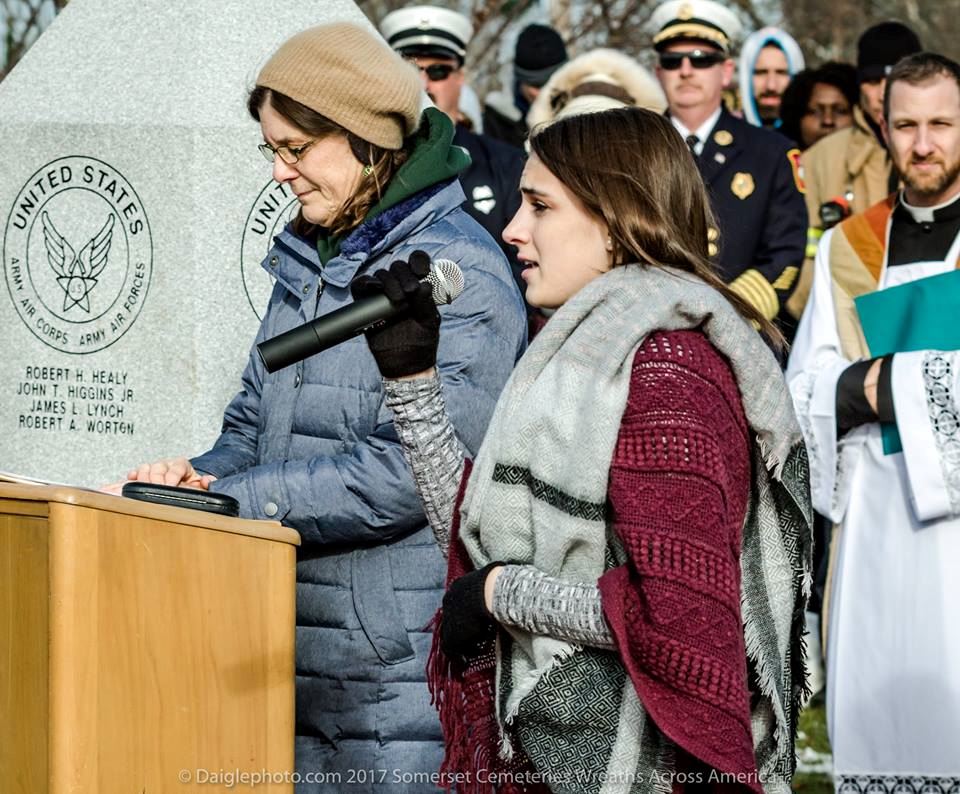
[540,52]
[881,46]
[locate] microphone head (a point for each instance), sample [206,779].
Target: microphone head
[446,278]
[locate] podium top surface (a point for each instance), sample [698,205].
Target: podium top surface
[97,500]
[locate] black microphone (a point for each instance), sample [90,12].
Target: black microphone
[331,329]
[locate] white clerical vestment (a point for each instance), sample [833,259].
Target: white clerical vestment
[893,639]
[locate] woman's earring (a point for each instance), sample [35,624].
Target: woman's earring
[367,170]
[609,243]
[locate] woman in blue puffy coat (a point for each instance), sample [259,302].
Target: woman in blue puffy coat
[312,445]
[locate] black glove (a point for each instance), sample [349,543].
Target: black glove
[466,623]
[408,344]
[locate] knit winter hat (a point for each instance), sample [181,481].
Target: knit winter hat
[881,46]
[347,74]
[539,53]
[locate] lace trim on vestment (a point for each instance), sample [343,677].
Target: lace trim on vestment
[896,784]
[938,382]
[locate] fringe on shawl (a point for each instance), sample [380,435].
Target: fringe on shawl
[794,670]
[457,694]
[465,697]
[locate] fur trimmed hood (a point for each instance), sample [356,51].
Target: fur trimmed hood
[596,80]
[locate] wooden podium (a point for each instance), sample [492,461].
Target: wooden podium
[143,648]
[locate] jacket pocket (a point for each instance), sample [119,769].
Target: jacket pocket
[375,601]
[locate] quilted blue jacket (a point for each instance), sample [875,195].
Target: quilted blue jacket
[314,447]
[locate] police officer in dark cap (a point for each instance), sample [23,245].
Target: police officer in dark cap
[435,40]
[750,172]
[539,53]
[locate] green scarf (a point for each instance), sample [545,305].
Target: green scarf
[434,159]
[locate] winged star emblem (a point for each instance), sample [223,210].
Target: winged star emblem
[77,273]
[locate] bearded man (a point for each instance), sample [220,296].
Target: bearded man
[769,59]
[893,640]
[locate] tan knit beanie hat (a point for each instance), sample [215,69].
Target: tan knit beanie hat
[347,74]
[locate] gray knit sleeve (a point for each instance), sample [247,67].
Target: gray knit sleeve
[430,446]
[531,600]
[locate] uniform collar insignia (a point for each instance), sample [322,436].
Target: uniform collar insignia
[723,137]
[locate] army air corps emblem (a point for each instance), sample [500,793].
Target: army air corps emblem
[77,273]
[742,185]
[77,254]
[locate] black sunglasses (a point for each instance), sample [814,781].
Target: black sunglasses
[437,71]
[699,59]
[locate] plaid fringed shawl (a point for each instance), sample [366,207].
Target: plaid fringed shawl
[534,713]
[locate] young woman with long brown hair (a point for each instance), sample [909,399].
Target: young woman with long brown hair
[629,551]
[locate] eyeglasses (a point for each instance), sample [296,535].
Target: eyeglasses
[289,154]
[699,59]
[437,72]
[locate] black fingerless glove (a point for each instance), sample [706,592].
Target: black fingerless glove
[466,623]
[407,344]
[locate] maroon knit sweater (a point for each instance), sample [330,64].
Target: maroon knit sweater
[679,487]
